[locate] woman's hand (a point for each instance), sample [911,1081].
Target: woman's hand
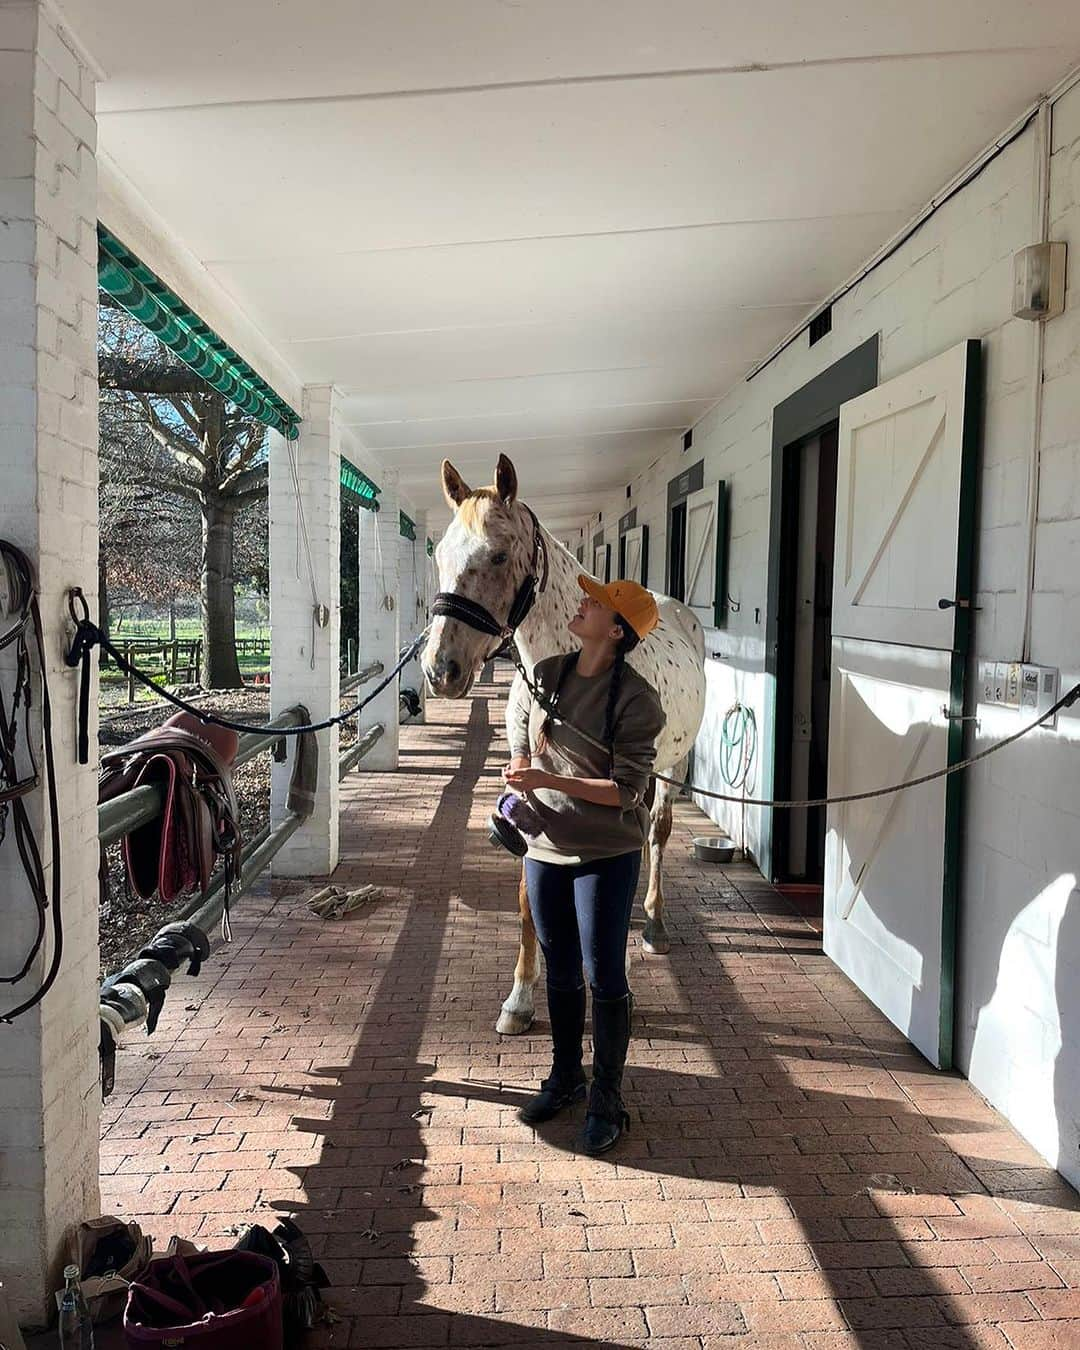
[517,762]
[525,779]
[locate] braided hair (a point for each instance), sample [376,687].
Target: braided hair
[625,645]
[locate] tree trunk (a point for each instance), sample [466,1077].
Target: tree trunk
[103,603]
[172,620]
[220,668]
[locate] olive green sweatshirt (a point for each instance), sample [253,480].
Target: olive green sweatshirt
[577,831]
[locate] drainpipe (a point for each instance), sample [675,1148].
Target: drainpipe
[1041,226]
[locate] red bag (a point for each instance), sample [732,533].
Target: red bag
[212,1300]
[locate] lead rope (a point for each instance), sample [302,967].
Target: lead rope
[1066,701]
[88,636]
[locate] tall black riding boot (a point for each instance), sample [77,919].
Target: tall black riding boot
[566,1082]
[607,1116]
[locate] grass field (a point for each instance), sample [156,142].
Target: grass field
[158,629]
[114,682]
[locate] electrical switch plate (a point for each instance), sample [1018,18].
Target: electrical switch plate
[1039,691]
[1012,685]
[1031,689]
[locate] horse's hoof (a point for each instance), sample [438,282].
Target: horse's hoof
[655,940]
[514,1024]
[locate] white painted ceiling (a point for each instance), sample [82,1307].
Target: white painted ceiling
[559,229]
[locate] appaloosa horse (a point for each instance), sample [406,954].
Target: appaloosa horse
[501,574]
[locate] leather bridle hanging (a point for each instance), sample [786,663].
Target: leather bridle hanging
[451,605]
[22,602]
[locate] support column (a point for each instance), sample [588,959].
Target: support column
[423,566]
[50,1099]
[303,656]
[380,609]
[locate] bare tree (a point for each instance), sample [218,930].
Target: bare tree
[168,435]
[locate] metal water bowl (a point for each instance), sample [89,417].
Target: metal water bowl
[714,848]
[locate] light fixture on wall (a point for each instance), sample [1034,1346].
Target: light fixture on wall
[1039,281]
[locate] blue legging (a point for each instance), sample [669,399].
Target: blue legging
[582,915]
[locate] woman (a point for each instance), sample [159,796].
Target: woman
[582,868]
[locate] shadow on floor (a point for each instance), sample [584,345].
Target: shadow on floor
[768,1099]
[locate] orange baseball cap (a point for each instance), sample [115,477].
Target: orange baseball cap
[629,601]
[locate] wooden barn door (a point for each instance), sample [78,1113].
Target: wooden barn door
[902,591]
[602,562]
[702,519]
[635,546]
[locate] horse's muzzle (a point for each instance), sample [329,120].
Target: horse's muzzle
[446,679]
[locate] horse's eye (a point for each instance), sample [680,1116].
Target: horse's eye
[498,559]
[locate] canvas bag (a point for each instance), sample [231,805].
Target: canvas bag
[89,1246]
[211,1301]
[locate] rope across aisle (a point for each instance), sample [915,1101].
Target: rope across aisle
[88,636]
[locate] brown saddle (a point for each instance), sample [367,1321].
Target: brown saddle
[190,762]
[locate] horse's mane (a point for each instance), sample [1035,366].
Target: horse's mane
[475,509]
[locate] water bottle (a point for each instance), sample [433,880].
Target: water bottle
[76,1329]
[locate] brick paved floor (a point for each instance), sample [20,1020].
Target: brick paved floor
[796,1177]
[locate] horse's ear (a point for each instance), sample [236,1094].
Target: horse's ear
[454,486]
[506,484]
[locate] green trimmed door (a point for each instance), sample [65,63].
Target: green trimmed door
[703,512]
[635,544]
[901,625]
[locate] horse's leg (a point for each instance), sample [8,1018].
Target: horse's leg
[518,1012]
[655,939]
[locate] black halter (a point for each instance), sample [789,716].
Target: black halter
[451,605]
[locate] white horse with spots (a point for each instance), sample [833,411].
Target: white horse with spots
[489,551]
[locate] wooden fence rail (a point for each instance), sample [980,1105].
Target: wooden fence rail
[177,660]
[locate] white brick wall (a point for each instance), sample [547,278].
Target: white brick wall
[1020,909]
[50,1104]
[411,585]
[380,614]
[304,658]
[424,596]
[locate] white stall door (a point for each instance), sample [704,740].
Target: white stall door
[904,529]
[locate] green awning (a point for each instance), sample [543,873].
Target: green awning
[360,485]
[406,526]
[145,296]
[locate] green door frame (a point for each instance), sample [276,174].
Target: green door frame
[800,415]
